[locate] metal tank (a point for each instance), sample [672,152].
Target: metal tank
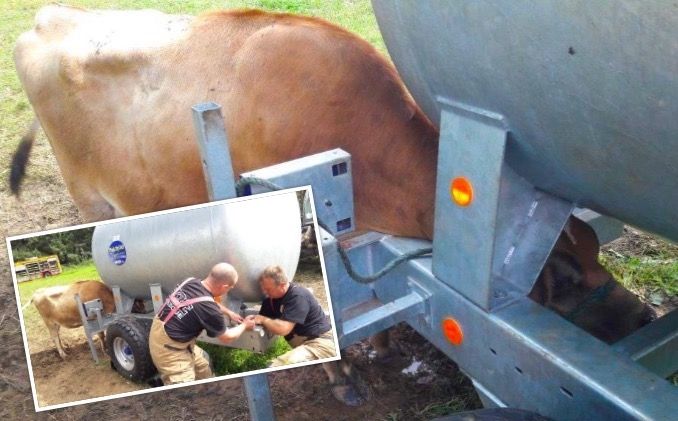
[250,234]
[588,90]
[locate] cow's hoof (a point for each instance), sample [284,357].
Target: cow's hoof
[348,395]
[392,358]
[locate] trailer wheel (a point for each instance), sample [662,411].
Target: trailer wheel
[127,345]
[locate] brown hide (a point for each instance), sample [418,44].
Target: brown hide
[57,305]
[113,92]
[118,114]
[575,285]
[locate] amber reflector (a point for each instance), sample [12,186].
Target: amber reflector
[461,191]
[452,331]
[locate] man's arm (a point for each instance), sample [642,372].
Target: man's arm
[275,326]
[235,332]
[235,317]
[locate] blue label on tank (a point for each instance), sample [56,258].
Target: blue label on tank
[117,252]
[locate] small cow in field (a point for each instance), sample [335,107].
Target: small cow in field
[113,90]
[58,307]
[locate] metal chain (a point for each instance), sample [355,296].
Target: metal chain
[363,279]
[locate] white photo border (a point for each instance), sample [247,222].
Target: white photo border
[39,408]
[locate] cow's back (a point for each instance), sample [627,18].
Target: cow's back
[289,86]
[57,304]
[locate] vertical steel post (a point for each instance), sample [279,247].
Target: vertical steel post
[213,144]
[85,325]
[259,397]
[220,181]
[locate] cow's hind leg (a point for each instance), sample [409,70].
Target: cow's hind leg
[54,333]
[347,386]
[388,352]
[102,341]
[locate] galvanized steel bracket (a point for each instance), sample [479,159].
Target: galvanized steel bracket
[492,249]
[329,174]
[213,144]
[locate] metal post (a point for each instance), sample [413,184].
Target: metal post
[216,161]
[213,144]
[259,397]
[85,325]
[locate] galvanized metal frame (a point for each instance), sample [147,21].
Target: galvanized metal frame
[486,259]
[216,159]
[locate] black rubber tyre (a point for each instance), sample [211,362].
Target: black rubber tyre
[127,345]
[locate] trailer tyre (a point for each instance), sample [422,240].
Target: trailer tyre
[127,345]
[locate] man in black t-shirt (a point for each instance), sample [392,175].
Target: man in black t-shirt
[188,311]
[292,311]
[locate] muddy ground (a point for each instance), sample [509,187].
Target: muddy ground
[54,378]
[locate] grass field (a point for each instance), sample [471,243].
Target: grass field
[70,274]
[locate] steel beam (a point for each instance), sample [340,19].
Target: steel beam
[492,249]
[524,355]
[655,346]
[216,159]
[213,145]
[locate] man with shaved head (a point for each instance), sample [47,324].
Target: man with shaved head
[190,309]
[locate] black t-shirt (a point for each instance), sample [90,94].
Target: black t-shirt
[189,321]
[300,307]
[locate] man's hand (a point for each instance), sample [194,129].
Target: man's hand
[249,322]
[276,326]
[235,317]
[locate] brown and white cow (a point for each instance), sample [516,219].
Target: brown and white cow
[113,89]
[57,306]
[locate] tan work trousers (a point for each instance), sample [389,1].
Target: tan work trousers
[177,362]
[307,350]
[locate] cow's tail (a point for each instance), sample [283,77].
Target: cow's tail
[20,158]
[23,308]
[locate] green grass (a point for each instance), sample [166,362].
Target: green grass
[70,274]
[231,361]
[649,266]
[644,273]
[439,409]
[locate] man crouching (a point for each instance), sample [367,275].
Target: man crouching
[186,312]
[292,311]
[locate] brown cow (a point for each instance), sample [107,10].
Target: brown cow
[58,307]
[113,90]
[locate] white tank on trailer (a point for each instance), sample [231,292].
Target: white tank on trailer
[250,234]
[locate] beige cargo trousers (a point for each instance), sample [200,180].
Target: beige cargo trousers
[177,362]
[307,350]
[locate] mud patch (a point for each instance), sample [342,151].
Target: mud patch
[77,378]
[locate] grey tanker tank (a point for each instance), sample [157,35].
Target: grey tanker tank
[589,91]
[251,234]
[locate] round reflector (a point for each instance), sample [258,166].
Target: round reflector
[452,331]
[461,191]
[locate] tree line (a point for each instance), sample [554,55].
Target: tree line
[72,247]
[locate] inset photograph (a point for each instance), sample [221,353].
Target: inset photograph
[173,298]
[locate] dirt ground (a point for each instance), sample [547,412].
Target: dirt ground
[54,378]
